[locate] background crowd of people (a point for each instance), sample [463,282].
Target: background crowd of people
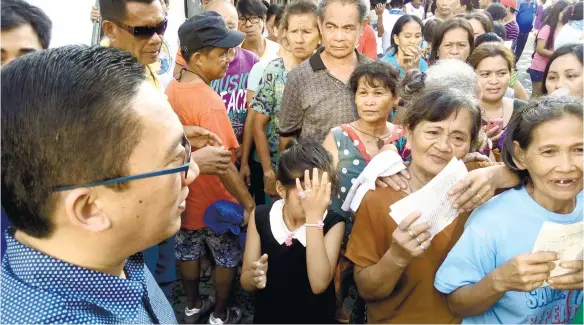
[262,151]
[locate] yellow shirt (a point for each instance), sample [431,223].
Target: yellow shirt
[150,75]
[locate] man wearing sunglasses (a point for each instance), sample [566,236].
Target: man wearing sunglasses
[137,27]
[100,173]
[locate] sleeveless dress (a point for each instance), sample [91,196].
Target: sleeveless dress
[353,157]
[287,297]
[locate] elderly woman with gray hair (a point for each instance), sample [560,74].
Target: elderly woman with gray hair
[395,264]
[448,73]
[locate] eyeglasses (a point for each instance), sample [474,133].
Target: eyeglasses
[251,19]
[184,168]
[144,31]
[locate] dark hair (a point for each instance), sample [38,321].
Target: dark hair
[490,50]
[565,15]
[251,8]
[362,9]
[399,25]
[116,10]
[431,5]
[298,7]
[577,11]
[396,3]
[497,11]
[485,20]
[297,158]
[470,5]
[448,25]
[430,28]
[525,119]
[188,53]
[575,49]
[376,73]
[437,104]
[487,38]
[278,18]
[277,12]
[499,29]
[273,10]
[552,20]
[266,3]
[16,13]
[81,94]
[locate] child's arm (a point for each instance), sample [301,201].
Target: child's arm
[322,255]
[255,267]
[322,252]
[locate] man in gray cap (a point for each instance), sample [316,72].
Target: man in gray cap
[207,45]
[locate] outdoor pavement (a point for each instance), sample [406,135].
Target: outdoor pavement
[524,63]
[243,299]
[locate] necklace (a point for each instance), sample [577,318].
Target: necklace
[500,108]
[380,141]
[193,72]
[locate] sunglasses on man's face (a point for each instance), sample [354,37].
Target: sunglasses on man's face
[144,31]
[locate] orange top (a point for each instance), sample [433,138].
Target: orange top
[197,104]
[179,59]
[368,42]
[414,299]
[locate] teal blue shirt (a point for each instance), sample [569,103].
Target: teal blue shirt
[391,58]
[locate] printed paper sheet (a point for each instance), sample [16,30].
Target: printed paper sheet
[566,240]
[433,199]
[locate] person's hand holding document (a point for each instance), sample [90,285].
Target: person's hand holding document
[567,242]
[433,200]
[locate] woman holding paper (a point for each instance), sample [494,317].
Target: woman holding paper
[495,272]
[395,264]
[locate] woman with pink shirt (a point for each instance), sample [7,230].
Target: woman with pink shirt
[544,46]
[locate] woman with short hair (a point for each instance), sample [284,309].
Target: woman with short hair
[494,63]
[491,275]
[453,40]
[395,264]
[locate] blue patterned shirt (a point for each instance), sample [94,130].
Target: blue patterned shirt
[37,288]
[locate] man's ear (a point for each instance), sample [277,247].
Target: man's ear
[85,211]
[109,29]
[197,59]
[519,156]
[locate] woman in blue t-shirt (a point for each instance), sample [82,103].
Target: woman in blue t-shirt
[492,274]
[405,53]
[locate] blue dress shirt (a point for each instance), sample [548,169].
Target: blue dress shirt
[37,288]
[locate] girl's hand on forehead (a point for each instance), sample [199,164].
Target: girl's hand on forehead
[315,195]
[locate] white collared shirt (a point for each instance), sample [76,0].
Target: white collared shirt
[279,229]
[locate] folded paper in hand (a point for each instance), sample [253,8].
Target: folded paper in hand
[566,240]
[433,200]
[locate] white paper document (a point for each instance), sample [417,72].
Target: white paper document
[433,200]
[566,240]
